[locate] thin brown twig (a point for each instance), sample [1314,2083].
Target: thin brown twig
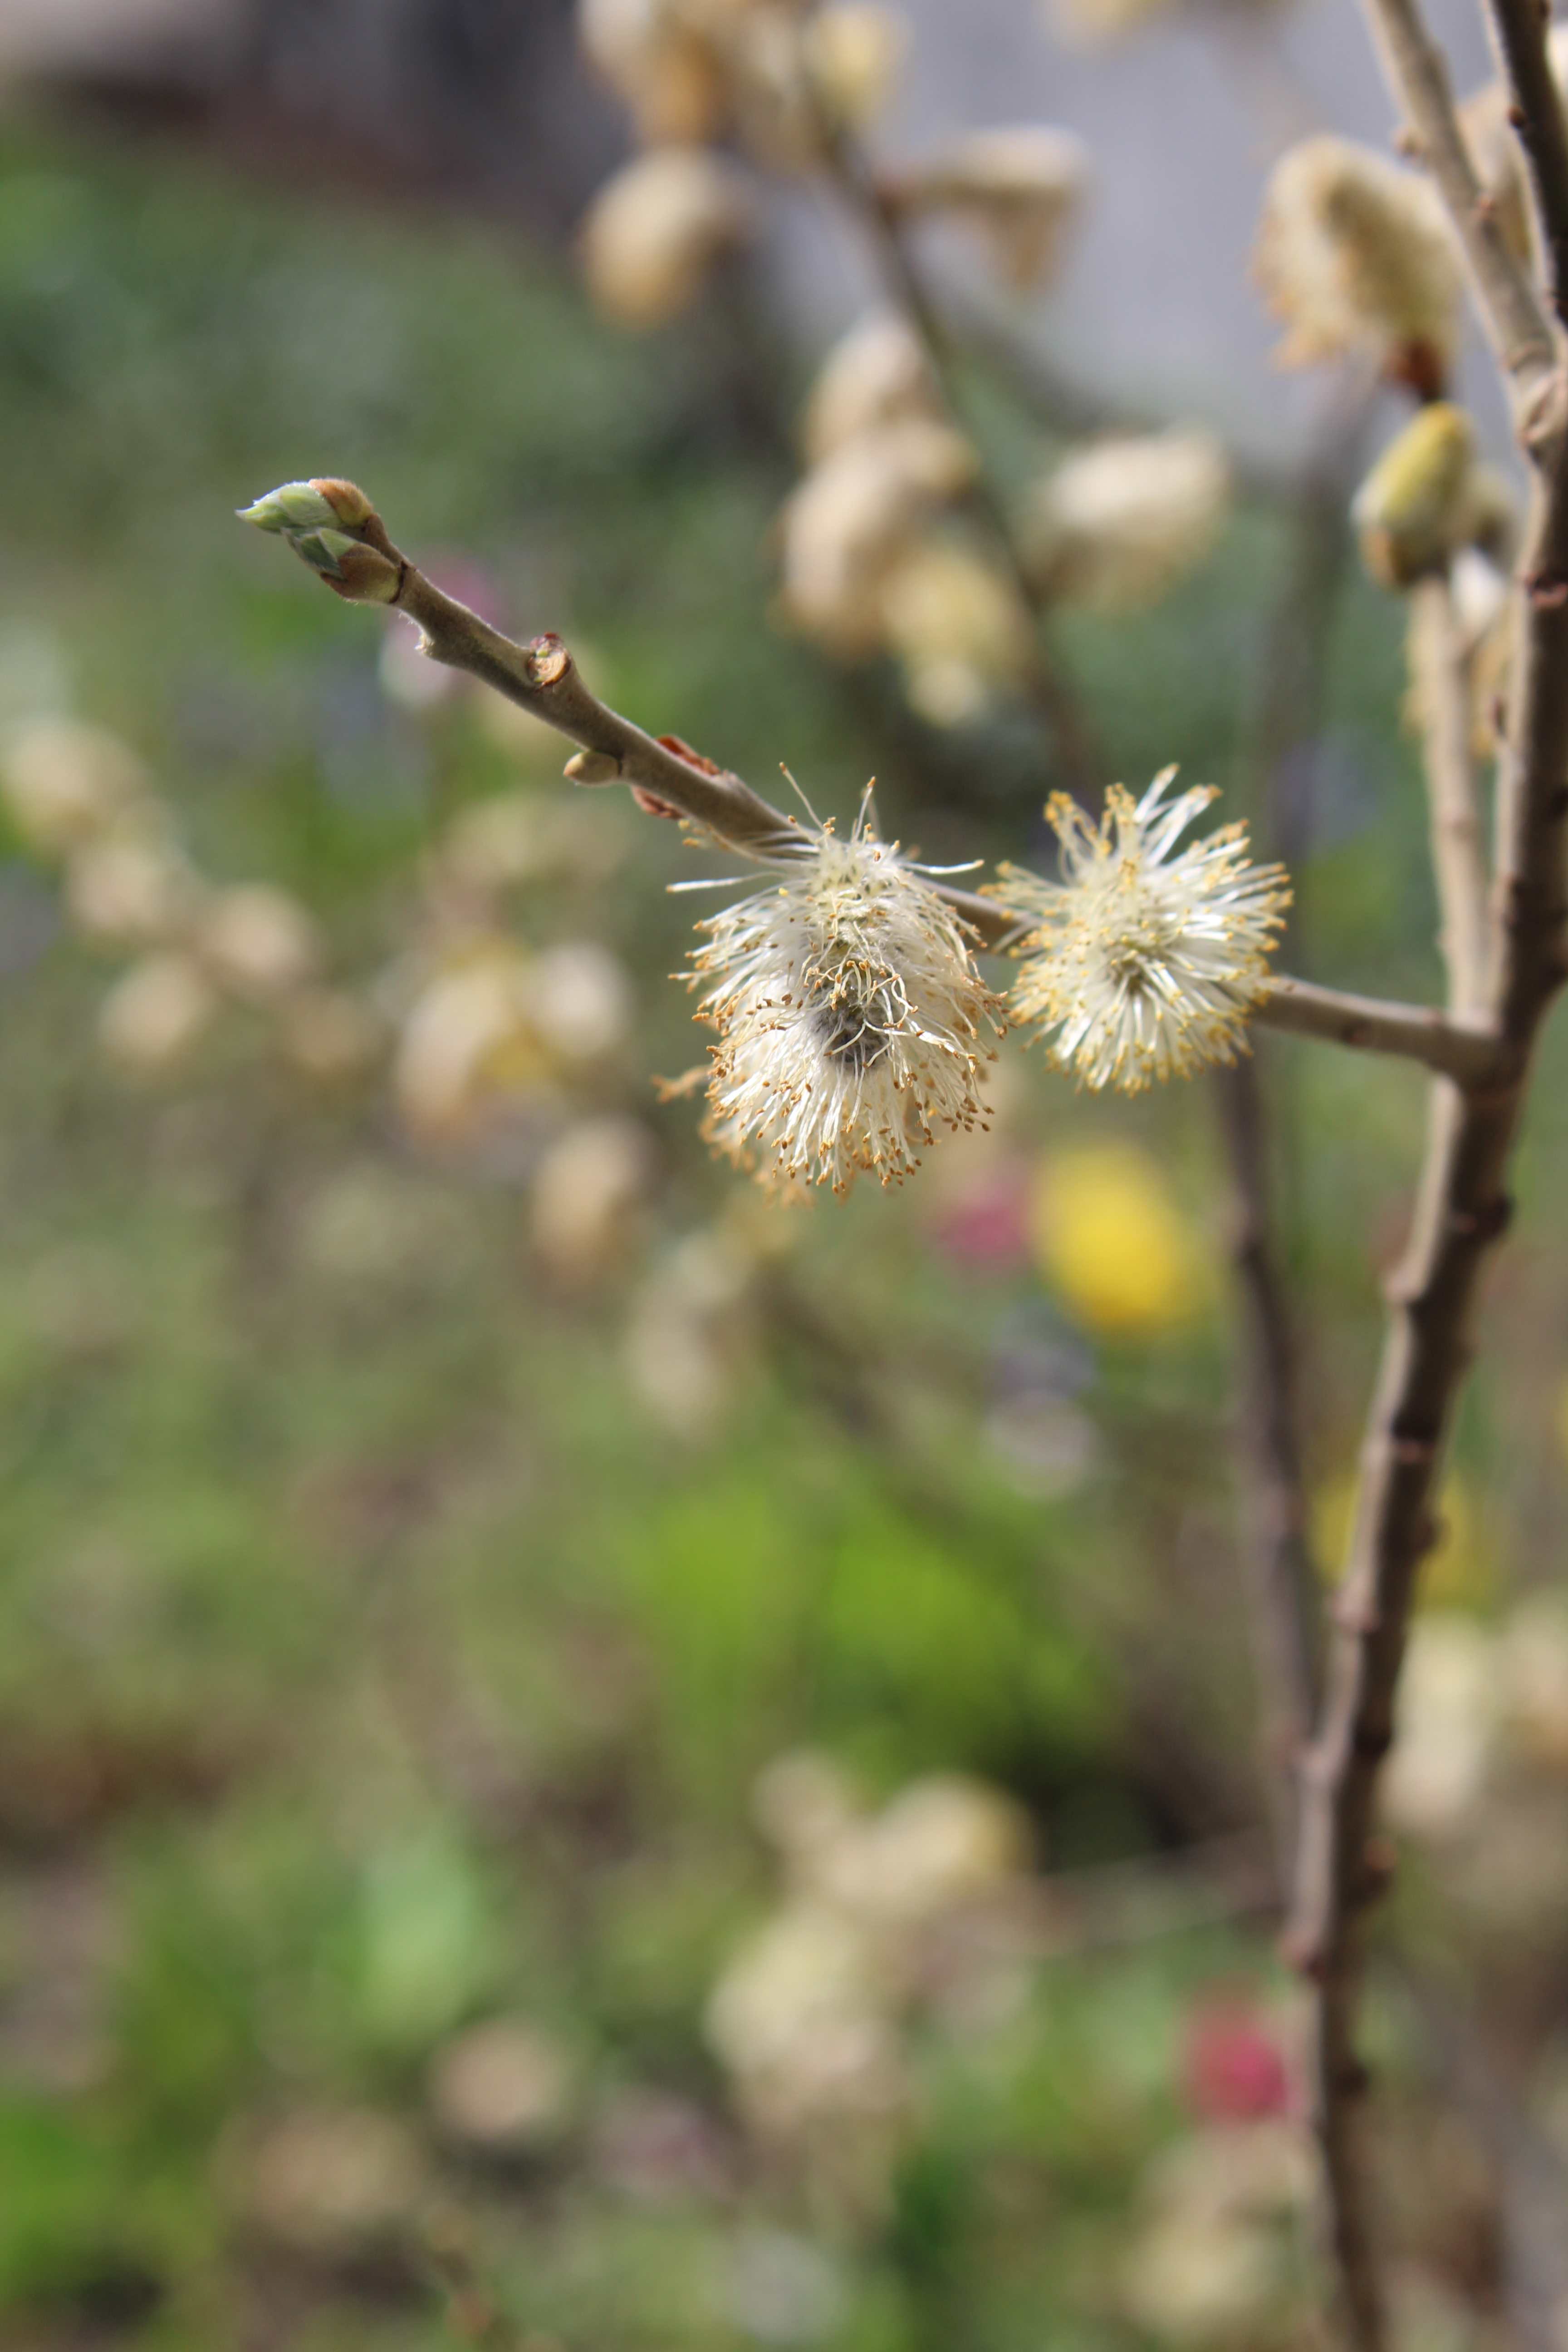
[669,778]
[1465,1052]
[1462,1208]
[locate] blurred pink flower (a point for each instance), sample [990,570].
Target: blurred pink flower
[1233,2070]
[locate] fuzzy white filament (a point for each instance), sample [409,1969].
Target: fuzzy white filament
[849,1010]
[1144,959]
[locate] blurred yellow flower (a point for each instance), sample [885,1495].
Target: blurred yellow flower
[1459,1573]
[1107,1233]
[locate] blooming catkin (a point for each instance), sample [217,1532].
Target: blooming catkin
[849,1011]
[1143,960]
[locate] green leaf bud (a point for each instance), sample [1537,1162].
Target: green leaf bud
[297,506]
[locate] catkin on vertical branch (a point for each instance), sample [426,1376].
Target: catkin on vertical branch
[1462,1205]
[1417,73]
[1518,30]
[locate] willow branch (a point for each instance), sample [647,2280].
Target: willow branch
[1417,73]
[1466,1054]
[669,778]
[1462,1208]
[1517,32]
[1440,668]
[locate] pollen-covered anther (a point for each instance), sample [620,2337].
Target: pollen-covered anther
[1145,960]
[849,1015]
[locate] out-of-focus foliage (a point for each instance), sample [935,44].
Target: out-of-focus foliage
[420,1534]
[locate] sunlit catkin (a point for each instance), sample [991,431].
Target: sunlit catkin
[257,942]
[852,55]
[131,887]
[156,1012]
[1144,959]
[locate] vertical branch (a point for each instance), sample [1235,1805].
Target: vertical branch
[1417,72]
[1515,28]
[1462,1205]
